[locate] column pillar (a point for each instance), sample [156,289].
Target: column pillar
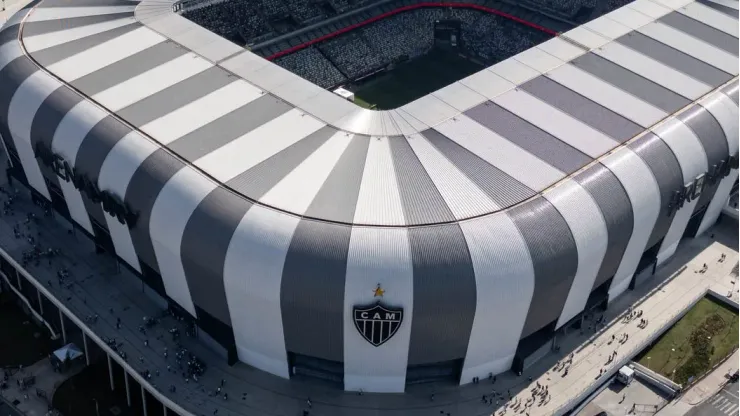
[143,400]
[110,373]
[61,322]
[84,343]
[18,279]
[128,392]
[41,305]
[164,409]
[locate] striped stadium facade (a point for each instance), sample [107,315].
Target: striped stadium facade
[493,212]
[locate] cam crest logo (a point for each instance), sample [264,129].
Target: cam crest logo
[377,323]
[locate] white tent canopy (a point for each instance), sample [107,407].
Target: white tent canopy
[68,352]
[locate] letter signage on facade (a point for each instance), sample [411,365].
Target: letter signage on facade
[693,189]
[111,204]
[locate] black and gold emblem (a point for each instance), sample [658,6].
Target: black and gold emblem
[377,322]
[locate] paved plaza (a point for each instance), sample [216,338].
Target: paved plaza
[617,399]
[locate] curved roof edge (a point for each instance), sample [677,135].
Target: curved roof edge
[463,118]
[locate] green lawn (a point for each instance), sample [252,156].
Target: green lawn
[414,79]
[704,336]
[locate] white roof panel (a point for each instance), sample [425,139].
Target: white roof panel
[252,148]
[487,84]
[359,121]
[244,64]
[566,128]
[430,110]
[501,153]
[513,71]
[733,4]
[459,96]
[47,40]
[565,51]
[711,17]
[328,107]
[200,112]
[649,8]
[379,199]
[296,190]
[409,124]
[297,90]
[270,77]
[42,14]
[608,27]
[8,52]
[463,197]
[150,82]
[586,37]
[673,4]
[685,145]
[170,25]
[629,17]
[653,70]
[607,95]
[538,59]
[692,46]
[100,56]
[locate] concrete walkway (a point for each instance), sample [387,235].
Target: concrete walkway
[47,381]
[664,305]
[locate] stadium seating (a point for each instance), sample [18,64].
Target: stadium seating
[232,19]
[313,66]
[350,56]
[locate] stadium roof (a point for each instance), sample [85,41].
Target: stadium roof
[158,88]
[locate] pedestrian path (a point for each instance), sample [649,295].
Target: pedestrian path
[588,367]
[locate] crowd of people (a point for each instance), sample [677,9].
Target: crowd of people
[486,37]
[248,22]
[368,49]
[578,11]
[245,21]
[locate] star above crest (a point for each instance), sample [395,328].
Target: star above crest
[378,292]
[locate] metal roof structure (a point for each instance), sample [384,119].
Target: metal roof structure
[477,146]
[490,209]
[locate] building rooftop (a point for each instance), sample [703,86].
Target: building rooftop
[169,93]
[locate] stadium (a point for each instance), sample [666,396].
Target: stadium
[504,170]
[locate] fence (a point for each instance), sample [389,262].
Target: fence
[166,401]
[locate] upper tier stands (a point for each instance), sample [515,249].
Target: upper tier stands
[487,37]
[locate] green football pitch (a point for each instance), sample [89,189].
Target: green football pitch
[414,79]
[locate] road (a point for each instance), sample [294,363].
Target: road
[724,403]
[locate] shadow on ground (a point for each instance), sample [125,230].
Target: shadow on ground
[22,341]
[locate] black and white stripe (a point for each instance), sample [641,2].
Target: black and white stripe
[493,219]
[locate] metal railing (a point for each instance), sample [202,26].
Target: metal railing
[166,401]
[33,311]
